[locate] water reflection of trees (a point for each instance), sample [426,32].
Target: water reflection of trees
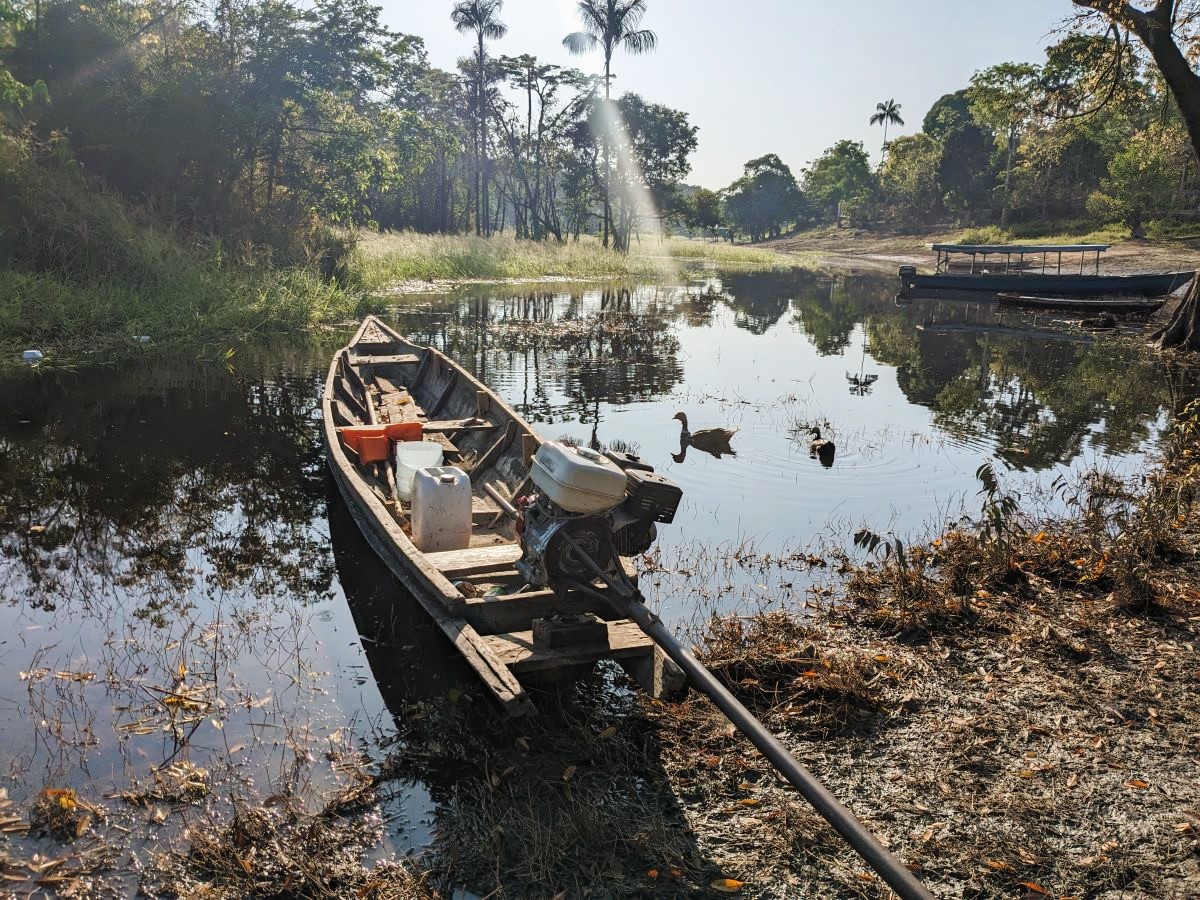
[148,473]
[1041,400]
[573,352]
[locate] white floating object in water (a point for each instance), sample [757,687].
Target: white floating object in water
[142,338]
[33,357]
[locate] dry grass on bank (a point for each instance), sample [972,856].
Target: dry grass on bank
[275,850]
[1013,708]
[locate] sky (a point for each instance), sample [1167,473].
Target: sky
[789,77]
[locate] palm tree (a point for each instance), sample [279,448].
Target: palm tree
[483,18]
[886,113]
[607,25]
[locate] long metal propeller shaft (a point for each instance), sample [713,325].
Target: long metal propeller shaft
[629,602]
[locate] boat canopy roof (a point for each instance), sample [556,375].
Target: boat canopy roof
[1014,249]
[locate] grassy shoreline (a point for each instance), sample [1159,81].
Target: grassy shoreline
[380,262]
[197,297]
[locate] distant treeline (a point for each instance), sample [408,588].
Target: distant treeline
[1088,138]
[260,122]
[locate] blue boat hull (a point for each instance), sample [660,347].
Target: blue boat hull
[1060,285]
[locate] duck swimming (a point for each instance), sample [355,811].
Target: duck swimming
[708,440]
[821,448]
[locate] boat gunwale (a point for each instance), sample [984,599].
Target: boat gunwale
[1082,304]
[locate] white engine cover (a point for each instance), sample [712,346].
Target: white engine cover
[578,479]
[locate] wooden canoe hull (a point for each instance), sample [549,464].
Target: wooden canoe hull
[1080,304]
[381,377]
[1065,285]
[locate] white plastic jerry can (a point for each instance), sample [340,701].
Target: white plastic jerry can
[441,509]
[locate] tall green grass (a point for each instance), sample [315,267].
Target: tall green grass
[380,260]
[1047,233]
[383,260]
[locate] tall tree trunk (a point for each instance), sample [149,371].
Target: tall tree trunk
[483,159]
[1154,30]
[607,150]
[1007,178]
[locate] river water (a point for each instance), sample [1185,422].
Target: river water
[180,584]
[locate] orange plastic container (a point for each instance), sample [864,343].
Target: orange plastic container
[373,443]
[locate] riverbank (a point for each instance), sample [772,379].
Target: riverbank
[158,292]
[401,263]
[877,250]
[1010,706]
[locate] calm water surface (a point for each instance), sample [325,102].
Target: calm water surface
[167,527]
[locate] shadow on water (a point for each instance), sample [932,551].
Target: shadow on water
[575,798]
[411,659]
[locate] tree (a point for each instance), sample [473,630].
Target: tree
[965,173]
[533,142]
[886,113]
[607,25]
[909,178]
[764,199]
[482,17]
[1156,29]
[654,157]
[704,210]
[1002,98]
[1139,177]
[842,174]
[949,113]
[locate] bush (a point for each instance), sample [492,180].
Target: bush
[80,264]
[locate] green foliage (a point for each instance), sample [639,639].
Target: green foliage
[1139,177]
[909,180]
[1003,99]
[999,523]
[704,211]
[841,174]
[654,156]
[1047,136]
[949,113]
[764,199]
[85,268]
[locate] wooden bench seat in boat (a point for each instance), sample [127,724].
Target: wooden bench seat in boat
[517,650]
[474,560]
[385,360]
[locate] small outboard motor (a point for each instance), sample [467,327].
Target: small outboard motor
[607,504]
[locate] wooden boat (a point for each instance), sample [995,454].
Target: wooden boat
[1004,331]
[1033,269]
[1124,305]
[382,379]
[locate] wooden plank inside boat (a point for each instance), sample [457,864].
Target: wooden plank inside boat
[456,563]
[518,651]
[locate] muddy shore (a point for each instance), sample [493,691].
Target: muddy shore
[885,251]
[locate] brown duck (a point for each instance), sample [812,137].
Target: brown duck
[708,440]
[821,448]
